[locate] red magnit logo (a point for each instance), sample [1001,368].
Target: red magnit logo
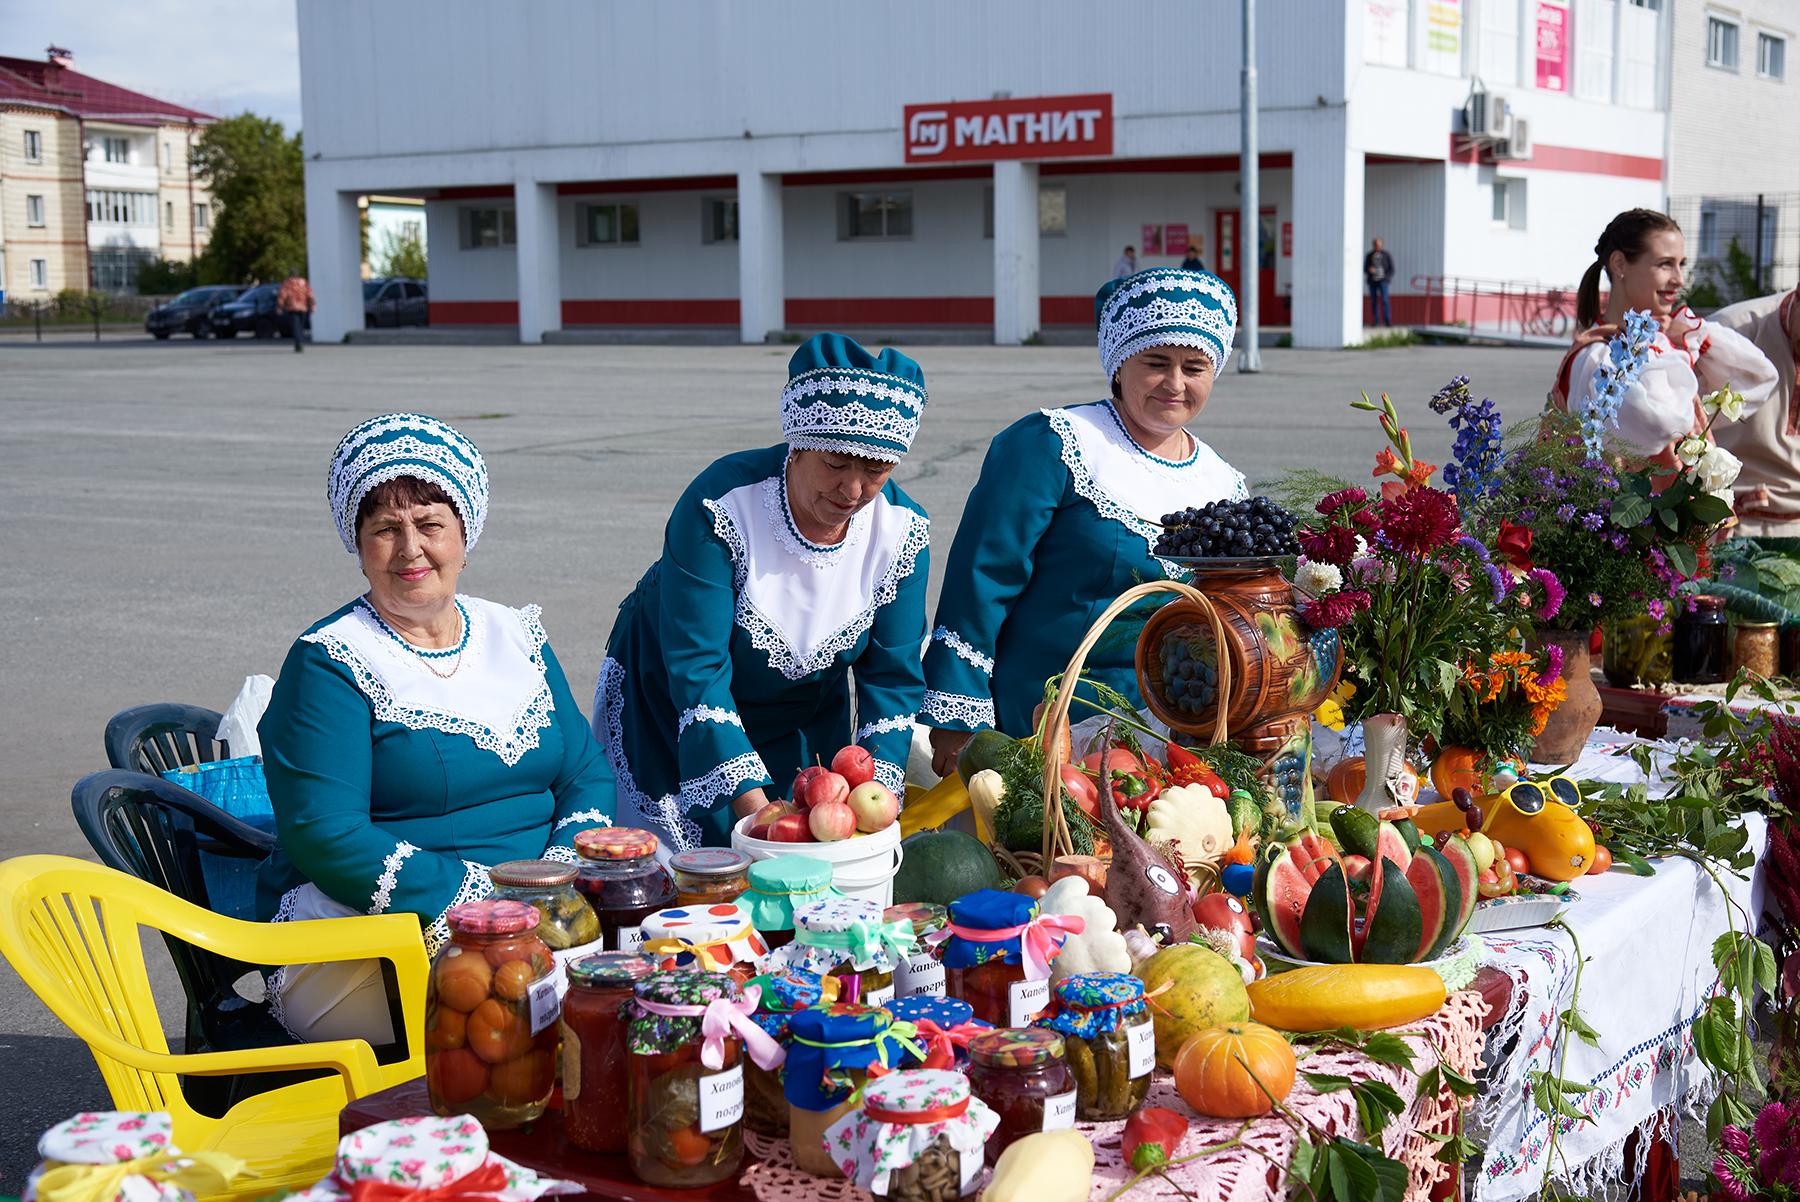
[1030,128]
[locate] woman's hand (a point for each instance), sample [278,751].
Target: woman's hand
[748,803]
[946,745]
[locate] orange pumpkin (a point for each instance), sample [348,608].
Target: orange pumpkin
[1460,767]
[1230,1072]
[1349,774]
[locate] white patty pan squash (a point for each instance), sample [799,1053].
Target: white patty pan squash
[1189,815]
[1100,947]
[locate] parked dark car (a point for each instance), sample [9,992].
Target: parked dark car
[395,302]
[189,312]
[252,313]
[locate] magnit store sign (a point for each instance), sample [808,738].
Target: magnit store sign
[981,131]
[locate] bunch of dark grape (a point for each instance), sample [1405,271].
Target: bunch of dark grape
[1190,674]
[1228,529]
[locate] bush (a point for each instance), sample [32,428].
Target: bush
[162,277]
[401,255]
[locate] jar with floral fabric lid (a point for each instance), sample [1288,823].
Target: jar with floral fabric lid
[491,1016]
[1108,1039]
[917,1137]
[845,937]
[832,1052]
[622,880]
[1023,1076]
[777,886]
[687,1034]
[997,954]
[923,969]
[568,922]
[945,1025]
[593,1047]
[715,938]
[706,876]
[785,992]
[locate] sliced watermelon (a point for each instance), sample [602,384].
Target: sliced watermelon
[1325,925]
[1440,898]
[1462,864]
[1391,928]
[1313,854]
[1391,844]
[1279,897]
[1409,832]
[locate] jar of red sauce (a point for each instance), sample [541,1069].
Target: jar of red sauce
[593,1047]
[997,955]
[1024,1078]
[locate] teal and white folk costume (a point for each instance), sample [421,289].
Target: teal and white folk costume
[399,774]
[728,666]
[1064,518]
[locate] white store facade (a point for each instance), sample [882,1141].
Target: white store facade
[808,165]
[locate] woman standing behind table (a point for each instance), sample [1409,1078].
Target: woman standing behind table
[728,667]
[1642,256]
[415,736]
[1065,515]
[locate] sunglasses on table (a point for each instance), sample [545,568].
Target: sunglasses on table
[1528,797]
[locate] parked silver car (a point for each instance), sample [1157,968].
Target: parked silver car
[395,302]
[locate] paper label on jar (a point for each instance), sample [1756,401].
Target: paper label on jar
[722,1099]
[628,939]
[571,1063]
[879,997]
[919,974]
[1025,1000]
[1141,1040]
[564,958]
[1059,1111]
[971,1169]
[546,1004]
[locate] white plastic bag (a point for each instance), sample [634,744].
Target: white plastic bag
[237,729]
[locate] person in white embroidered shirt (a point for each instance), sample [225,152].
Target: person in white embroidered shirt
[782,570]
[416,736]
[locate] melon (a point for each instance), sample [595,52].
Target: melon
[1435,884]
[940,866]
[1205,990]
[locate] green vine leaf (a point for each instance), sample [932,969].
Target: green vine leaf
[1579,1027]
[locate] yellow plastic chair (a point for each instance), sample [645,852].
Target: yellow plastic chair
[71,929]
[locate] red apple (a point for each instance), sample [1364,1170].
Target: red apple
[831,820]
[875,807]
[790,828]
[803,781]
[825,787]
[767,816]
[855,765]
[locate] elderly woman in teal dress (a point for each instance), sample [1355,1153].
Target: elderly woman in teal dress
[785,572]
[416,736]
[1065,515]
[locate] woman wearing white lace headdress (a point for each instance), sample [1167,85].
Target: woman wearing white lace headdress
[782,569]
[416,736]
[1065,515]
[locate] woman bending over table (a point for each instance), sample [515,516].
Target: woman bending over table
[416,736]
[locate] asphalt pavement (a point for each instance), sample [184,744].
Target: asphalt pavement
[165,530]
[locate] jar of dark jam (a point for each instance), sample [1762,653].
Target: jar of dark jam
[622,880]
[1702,651]
[1022,1076]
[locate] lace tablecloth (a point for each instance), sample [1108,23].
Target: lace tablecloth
[1254,1168]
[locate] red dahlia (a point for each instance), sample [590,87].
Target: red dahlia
[1334,544]
[1334,609]
[1420,521]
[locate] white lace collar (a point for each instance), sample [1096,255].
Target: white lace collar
[1129,485]
[804,604]
[499,696]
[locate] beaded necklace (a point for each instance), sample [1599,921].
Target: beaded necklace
[425,655]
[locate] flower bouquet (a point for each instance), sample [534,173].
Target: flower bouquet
[1501,706]
[1763,1163]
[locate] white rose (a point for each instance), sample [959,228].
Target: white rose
[1717,469]
[1725,403]
[1692,448]
[1318,578]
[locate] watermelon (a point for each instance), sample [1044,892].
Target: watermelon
[1462,863]
[940,866]
[985,750]
[1435,884]
[1325,922]
[1313,854]
[1391,924]
[1279,895]
[1410,833]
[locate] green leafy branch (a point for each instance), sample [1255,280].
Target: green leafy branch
[1550,1092]
[1331,1168]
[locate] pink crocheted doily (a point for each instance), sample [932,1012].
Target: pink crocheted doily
[1253,1168]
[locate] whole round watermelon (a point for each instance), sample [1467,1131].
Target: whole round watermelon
[1205,990]
[942,865]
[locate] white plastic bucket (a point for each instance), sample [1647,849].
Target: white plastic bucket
[863,866]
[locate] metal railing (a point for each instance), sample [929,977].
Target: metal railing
[1503,307]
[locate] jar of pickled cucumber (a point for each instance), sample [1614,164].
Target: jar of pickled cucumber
[715,938]
[844,937]
[622,880]
[923,969]
[568,921]
[707,876]
[777,886]
[1108,1038]
[830,1050]
[781,995]
[987,962]
[685,1089]
[918,1137]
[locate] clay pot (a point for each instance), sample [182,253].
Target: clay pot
[1570,724]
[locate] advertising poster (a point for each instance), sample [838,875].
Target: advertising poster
[1552,47]
[1443,37]
[1175,239]
[1151,241]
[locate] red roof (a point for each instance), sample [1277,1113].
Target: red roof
[37,82]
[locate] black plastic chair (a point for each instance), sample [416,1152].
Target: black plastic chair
[167,735]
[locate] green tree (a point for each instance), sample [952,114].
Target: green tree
[165,277]
[255,174]
[402,254]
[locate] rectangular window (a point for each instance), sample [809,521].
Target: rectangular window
[34,211]
[1771,56]
[109,207]
[1721,44]
[1053,211]
[34,146]
[1709,234]
[1509,203]
[870,215]
[606,225]
[1594,48]
[40,274]
[168,214]
[719,219]
[483,229]
[202,216]
[1498,43]
[116,150]
[168,156]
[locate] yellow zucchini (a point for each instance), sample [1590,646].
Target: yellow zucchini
[1365,996]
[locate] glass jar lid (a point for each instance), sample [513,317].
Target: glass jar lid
[1708,603]
[1016,1047]
[926,917]
[492,917]
[610,970]
[1741,625]
[710,862]
[533,874]
[615,843]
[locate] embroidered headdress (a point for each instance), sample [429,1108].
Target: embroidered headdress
[407,444]
[841,398]
[1164,306]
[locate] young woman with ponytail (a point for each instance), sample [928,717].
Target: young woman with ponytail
[1641,257]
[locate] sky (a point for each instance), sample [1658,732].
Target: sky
[219,56]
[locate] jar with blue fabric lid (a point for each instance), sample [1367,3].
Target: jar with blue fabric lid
[845,937]
[944,1027]
[777,886]
[1109,1041]
[784,993]
[832,1052]
[997,953]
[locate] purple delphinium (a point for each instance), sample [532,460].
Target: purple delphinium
[1477,453]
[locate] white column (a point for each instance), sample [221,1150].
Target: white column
[762,285]
[1328,229]
[540,260]
[333,260]
[1015,252]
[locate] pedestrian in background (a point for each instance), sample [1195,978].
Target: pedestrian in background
[1193,261]
[294,302]
[1127,264]
[1378,270]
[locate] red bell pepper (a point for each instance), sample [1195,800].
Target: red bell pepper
[1151,1137]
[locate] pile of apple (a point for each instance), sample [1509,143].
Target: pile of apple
[830,804]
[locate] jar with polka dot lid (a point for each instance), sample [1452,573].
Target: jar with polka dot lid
[846,937]
[711,938]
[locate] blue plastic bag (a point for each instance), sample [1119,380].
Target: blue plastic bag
[238,787]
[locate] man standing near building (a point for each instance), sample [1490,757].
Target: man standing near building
[1378,269]
[1127,264]
[1768,441]
[294,302]
[1192,261]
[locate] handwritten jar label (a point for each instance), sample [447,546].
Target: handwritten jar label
[722,1099]
[1059,1111]
[1025,1000]
[1141,1040]
[919,973]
